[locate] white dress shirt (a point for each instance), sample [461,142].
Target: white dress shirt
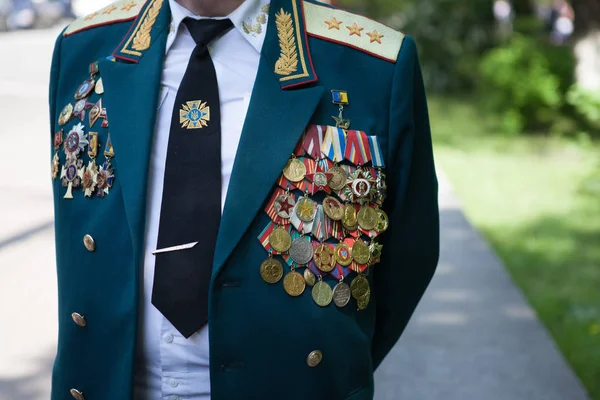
[168,366]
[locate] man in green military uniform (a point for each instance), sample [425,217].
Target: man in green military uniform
[245,200]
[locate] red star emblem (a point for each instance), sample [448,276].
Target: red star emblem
[319,180]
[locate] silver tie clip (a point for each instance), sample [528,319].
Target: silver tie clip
[176,248]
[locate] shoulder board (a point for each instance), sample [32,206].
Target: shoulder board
[353,30]
[120,11]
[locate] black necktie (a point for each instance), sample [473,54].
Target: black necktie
[191,202]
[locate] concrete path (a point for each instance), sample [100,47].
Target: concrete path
[473,336]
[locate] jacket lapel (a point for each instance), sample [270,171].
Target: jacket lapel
[281,107]
[130,97]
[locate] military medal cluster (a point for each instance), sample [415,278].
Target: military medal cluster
[92,179]
[326,214]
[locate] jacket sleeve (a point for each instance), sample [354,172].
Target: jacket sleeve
[411,244]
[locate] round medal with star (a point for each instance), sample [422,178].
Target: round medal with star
[284,205]
[306,209]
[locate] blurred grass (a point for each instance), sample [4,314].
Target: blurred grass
[537,201]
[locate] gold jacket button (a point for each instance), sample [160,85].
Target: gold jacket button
[89,243]
[314,358]
[79,319]
[77,395]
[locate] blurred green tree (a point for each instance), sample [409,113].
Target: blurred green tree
[451,35]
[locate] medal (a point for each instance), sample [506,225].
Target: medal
[322,294]
[65,115]
[99,87]
[105,179]
[301,251]
[363,302]
[294,170]
[280,240]
[382,221]
[294,284]
[319,179]
[333,208]
[360,187]
[58,140]
[343,254]
[367,218]
[85,89]
[361,252]
[340,97]
[338,178]
[271,270]
[306,209]
[360,287]
[90,179]
[71,176]
[284,204]
[309,277]
[350,219]
[341,294]
[324,257]
[96,112]
[75,142]
[375,249]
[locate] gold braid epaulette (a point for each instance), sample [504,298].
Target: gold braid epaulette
[288,60]
[142,38]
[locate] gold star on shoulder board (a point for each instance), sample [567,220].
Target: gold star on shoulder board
[355,29]
[333,23]
[375,36]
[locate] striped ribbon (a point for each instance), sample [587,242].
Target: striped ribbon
[319,230]
[357,151]
[313,141]
[376,153]
[334,144]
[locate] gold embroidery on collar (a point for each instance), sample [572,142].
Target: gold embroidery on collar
[142,39]
[288,59]
[304,72]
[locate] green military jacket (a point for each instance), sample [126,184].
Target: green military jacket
[264,342]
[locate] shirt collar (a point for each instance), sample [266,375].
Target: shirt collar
[250,19]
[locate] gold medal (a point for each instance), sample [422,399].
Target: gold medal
[294,284]
[333,208]
[271,270]
[280,240]
[295,170]
[343,254]
[65,114]
[350,219]
[375,249]
[306,209]
[361,252]
[324,258]
[383,221]
[338,177]
[367,218]
[322,294]
[363,301]
[309,277]
[360,287]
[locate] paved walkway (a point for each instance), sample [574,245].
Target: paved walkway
[473,336]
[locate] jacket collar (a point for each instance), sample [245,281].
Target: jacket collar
[285,38]
[249,19]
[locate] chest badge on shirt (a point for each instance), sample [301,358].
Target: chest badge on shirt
[194,115]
